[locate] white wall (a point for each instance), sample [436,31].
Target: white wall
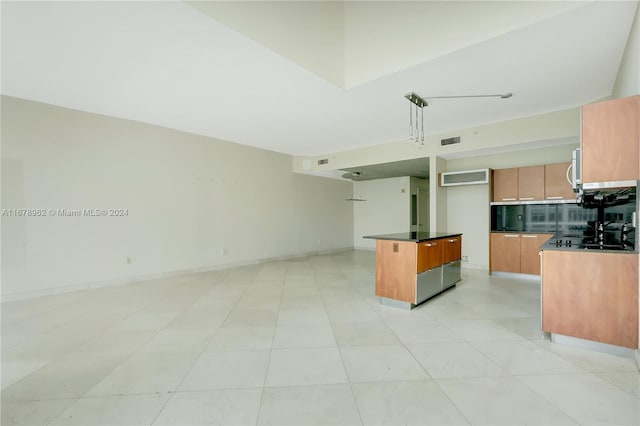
[468,213]
[468,206]
[386,209]
[188,198]
[628,79]
[421,185]
[438,216]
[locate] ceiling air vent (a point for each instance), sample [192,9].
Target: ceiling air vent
[323,161]
[450,141]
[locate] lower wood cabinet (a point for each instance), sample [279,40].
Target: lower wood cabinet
[514,252]
[591,296]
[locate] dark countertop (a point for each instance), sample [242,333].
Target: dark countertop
[574,242]
[522,232]
[416,237]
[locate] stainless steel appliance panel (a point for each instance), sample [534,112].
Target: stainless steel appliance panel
[429,284]
[451,273]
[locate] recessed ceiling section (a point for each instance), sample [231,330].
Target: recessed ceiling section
[418,167]
[384,37]
[309,33]
[352,42]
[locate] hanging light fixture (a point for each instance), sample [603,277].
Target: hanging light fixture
[416,120]
[416,126]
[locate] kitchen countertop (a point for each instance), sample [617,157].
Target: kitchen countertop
[522,232]
[416,237]
[573,242]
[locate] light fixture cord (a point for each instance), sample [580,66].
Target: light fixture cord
[422,126]
[417,129]
[410,121]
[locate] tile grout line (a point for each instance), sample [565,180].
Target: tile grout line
[346,373]
[86,356]
[273,338]
[175,391]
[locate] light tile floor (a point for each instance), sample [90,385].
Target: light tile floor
[301,342]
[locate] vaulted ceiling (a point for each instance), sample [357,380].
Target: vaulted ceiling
[308,78]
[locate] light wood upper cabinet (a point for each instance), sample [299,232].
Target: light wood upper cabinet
[611,140]
[531,183]
[556,185]
[505,184]
[519,184]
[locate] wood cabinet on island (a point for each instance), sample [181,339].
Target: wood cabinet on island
[412,267]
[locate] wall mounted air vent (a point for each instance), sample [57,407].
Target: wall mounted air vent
[450,141]
[468,177]
[323,161]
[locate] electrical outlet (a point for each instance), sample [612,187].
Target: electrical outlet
[465,259]
[129,260]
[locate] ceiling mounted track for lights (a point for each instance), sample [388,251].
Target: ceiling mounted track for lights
[416,122]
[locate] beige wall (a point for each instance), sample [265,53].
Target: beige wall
[193,202]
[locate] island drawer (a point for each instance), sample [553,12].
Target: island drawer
[452,249]
[430,254]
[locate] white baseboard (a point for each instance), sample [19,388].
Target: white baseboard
[466,265]
[167,274]
[364,248]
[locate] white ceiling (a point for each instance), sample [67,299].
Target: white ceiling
[309,78]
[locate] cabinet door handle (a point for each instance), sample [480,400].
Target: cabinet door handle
[529,236]
[554,198]
[511,236]
[453,241]
[508,199]
[431,244]
[526,198]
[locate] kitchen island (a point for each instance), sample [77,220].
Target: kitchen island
[412,267]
